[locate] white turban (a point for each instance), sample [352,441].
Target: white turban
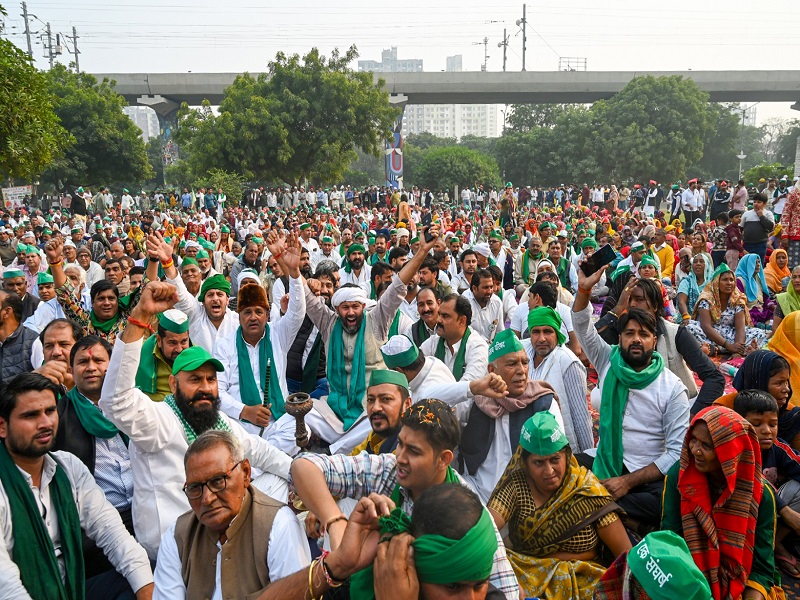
[192,244]
[402,232]
[247,274]
[482,249]
[351,294]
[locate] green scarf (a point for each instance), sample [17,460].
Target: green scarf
[361,583]
[147,374]
[526,268]
[393,328]
[619,380]
[563,272]
[789,300]
[459,363]
[104,326]
[347,401]
[309,383]
[248,390]
[33,551]
[375,258]
[191,436]
[421,330]
[92,419]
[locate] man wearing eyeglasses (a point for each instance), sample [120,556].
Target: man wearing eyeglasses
[250,538]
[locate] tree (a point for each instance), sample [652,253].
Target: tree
[787,146]
[156,161]
[445,168]
[426,140]
[525,117]
[302,120]
[772,131]
[770,171]
[485,145]
[108,146]
[30,134]
[654,127]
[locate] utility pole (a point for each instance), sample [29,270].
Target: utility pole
[75,51]
[523,21]
[485,52]
[27,28]
[504,46]
[50,54]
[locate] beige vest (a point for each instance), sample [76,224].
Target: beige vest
[244,572]
[668,350]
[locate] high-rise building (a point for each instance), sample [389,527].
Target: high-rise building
[442,120]
[145,118]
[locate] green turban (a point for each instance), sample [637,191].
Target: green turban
[544,316]
[648,260]
[589,243]
[356,248]
[215,282]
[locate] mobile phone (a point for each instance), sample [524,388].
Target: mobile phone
[429,237]
[598,260]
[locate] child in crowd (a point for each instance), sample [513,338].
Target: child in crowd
[780,466]
[734,246]
[719,239]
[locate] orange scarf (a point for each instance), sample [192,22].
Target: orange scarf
[774,274]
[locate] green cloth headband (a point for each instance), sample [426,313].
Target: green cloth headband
[648,260]
[216,282]
[589,243]
[381,376]
[547,317]
[541,435]
[355,248]
[12,273]
[441,560]
[174,320]
[504,343]
[189,261]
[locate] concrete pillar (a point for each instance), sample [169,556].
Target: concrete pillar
[167,111]
[797,157]
[393,148]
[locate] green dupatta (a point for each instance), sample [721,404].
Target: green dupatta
[459,364]
[345,400]
[248,390]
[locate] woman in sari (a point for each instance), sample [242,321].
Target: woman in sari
[684,265]
[716,499]
[750,280]
[722,319]
[558,515]
[788,301]
[691,286]
[777,270]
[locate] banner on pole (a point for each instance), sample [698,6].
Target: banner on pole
[13,196]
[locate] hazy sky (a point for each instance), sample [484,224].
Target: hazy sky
[243,35]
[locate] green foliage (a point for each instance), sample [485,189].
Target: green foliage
[231,183]
[447,167]
[724,141]
[787,146]
[156,161]
[426,140]
[302,120]
[526,117]
[108,146]
[30,134]
[772,171]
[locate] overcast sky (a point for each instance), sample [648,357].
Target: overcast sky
[243,35]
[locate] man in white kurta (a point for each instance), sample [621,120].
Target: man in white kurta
[159,437]
[203,331]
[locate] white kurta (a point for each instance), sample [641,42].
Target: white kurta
[158,443]
[476,356]
[436,381]
[489,320]
[361,280]
[202,331]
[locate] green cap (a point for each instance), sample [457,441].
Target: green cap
[30,250]
[414,240]
[326,239]
[589,243]
[305,226]
[12,273]
[189,261]
[496,235]
[257,240]
[370,240]
[76,230]
[225,229]
[504,343]
[201,254]
[381,376]
[637,247]
[664,567]
[546,316]
[648,260]
[399,351]
[193,358]
[204,243]
[542,435]
[174,320]
[355,248]
[47,231]
[215,282]
[44,278]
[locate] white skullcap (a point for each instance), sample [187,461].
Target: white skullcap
[350,294]
[397,344]
[70,243]
[247,274]
[482,249]
[192,244]
[402,232]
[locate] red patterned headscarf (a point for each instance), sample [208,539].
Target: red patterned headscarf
[721,536]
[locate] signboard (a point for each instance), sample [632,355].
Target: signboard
[13,196]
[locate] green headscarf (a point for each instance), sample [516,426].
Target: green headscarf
[546,316]
[620,378]
[789,300]
[248,390]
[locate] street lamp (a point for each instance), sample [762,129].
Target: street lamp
[741,157]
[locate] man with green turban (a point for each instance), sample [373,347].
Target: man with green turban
[645,407]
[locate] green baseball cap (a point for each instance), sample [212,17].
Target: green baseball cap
[664,567]
[542,435]
[193,358]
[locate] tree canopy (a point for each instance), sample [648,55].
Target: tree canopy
[450,166]
[107,144]
[301,120]
[30,134]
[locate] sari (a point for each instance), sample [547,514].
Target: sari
[786,342]
[773,274]
[721,533]
[691,288]
[710,293]
[754,286]
[536,533]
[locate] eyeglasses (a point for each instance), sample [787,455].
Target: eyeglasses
[194,491]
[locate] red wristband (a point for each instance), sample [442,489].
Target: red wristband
[137,323]
[585,291]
